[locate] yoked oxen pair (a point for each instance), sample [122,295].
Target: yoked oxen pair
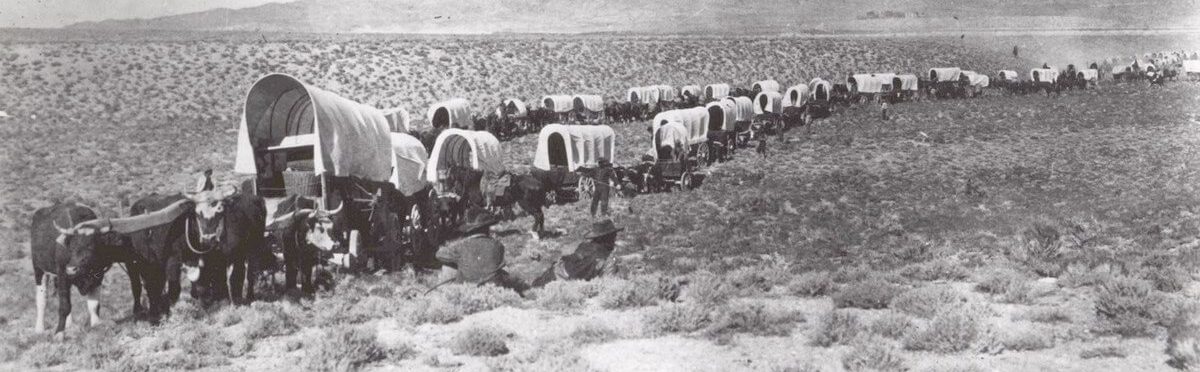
[216,230]
[218,234]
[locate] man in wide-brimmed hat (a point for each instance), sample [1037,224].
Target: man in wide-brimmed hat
[477,257]
[604,177]
[593,258]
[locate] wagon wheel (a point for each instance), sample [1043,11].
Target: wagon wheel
[703,155]
[686,181]
[806,118]
[586,186]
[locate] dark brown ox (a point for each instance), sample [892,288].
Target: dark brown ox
[78,255]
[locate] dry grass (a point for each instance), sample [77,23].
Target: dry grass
[892,325]
[343,349]
[811,284]
[925,302]
[949,331]
[871,293]
[677,318]
[1005,284]
[836,327]
[1127,306]
[480,341]
[873,355]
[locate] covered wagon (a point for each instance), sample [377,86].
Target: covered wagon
[671,168]
[944,74]
[666,93]
[696,121]
[1043,75]
[768,101]
[821,90]
[906,86]
[588,107]
[558,103]
[694,91]
[295,139]
[765,86]
[452,113]
[408,166]
[743,108]
[796,96]
[1191,68]
[714,92]
[1088,76]
[722,127]
[868,86]
[571,151]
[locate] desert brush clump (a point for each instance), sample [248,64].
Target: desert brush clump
[1183,339]
[753,318]
[870,293]
[943,268]
[269,319]
[1040,248]
[343,348]
[677,318]
[838,326]
[949,331]
[480,341]
[892,324]
[1127,306]
[592,332]
[1046,314]
[925,302]
[1026,339]
[873,354]
[450,303]
[811,284]
[638,291]
[707,288]
[1005,284]
[1103,352]
[561,295]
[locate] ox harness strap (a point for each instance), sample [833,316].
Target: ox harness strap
[187,236]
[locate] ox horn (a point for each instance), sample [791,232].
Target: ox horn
[338,209]
[63,231]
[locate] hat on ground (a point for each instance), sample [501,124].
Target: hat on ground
[477,219]
[603,228]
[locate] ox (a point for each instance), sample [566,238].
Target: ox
[76,256]
[306,233]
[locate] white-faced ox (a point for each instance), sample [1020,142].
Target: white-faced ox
[214,231]
[307,233]
[69,243]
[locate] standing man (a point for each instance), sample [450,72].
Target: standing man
[478,257]
[603,180]
[593,258]
[883,107]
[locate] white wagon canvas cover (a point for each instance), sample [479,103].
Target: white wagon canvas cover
[693,90]
[1009,75]
[1043,75]
[1088,74]
[976,79]
[694,119]
[744,108]
[796,96]
[574,146]
[590,102]
[768,102]
[766,86]
[820,89]
[476,149]
[908,82]
[866,83]
[722,115]
[673,134]
[666,93]
[346,138]
[408,163]
[516,107]
[648,95]
[940,74]
[558,103]
[398,120]
[452,113]
[716,91]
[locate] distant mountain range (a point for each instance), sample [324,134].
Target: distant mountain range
[674,16]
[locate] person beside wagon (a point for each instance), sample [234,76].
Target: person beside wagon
[591,259]
[477,258]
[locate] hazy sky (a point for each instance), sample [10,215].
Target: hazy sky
[55,13]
